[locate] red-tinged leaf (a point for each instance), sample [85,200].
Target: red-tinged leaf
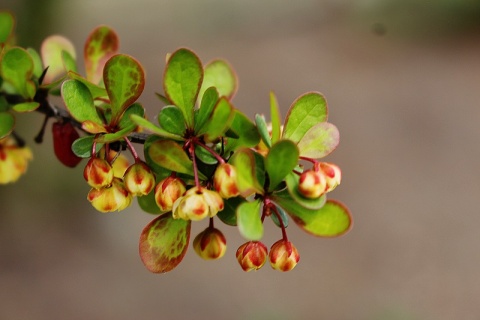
[64,134]
[319,141]
[100,46]
[51,52]
[164,242]
[220,74]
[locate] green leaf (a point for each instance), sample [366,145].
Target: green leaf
[7,123]
[203,155]
[182,80]
[170,155]
[101,45]
[82,147]
[305,112]
[246,131]
[219,74]
[275,117]
[147,203]
[144,123]
[249,222]
[79,102]
[332,220]
[126,125]
[220,120]
[171,119]
[280,161]
[95,90]
[283,217]
[244,161]
[37,62]
[17,68]
[319,141]
[263,130]
[26,106]
[164,242]
[209,101]
[69,63]
[292,181]
[7,23]
[124,80]
[229,213]
[51,52]
[160,172]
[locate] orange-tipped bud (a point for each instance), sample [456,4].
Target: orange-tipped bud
[98,173]
[332,174]
[252,255]
[139,179]
[168,191]
[210,244]
[112,198]
[283,256]
[13,160]
[225,181]
[198,203]
[312,184]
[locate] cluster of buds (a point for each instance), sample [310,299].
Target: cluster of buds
[253,255]
[323,178]
[13,160]
[196,204]
[112,192]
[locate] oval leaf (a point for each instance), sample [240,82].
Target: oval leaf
[17,68]
[249,222]
[124,80]
[26,106]
[246,131]
[171,119]
[244,161]
[7,24]
[82,147]
[182,80]
[170,155]
[220,120]
[79,102]
[95,90]
[7,123]
[220,74]
[280,161]
[101,45]
[319,141]
[209,101]
[283,217]
[164,242]
[51,52]
[229,213]
[332,220]
[144,123]
[305,112]
[147,203]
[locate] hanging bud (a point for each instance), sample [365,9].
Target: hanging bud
[120,164]
[139,179]
[252,255]
[64,134]
[168,191]
[112,198]
[13,160]
[98,173]
[225,181]
[197,203]
[283,256]
[312,184]
[332,174]
[210,244]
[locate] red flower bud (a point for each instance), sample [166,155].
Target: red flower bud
[252,255]
[168,191]
[312,184]
[332,174]
[210,244]
[64,134]
[139,179]
[98,173]
[283,256]
[225,181]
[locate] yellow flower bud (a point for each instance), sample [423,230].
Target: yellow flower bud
[112,198]
[168,191]
[98,173]
[198,203]
[312,184]
[332,174]
[210,244]
[252,255]
[225,181]
[283,256]
[13,160]
[139,179]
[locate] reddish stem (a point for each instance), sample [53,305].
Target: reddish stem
[212,152]
[195,169]
[132,150]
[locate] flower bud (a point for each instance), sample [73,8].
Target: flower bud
[98,173]
[283,256]
[252,255]
[225,181]
[210,244]
[312,184]
[197,203]
[332,174]
[168,191]
[112,198]
[13,160]
[139,179]
[119,165]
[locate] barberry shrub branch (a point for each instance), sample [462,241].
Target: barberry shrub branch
[202,158]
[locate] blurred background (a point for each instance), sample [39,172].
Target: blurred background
[402,78]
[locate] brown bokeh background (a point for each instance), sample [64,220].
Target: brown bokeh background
[402,79]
